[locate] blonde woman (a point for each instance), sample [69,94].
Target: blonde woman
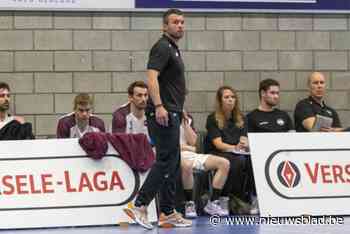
[227,137]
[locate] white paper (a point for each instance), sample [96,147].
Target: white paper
[322,122]
[238,152]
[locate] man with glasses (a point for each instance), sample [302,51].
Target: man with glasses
[11,127]
[81,121]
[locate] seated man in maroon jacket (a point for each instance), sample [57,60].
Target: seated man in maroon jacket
[81,121]
[130,117]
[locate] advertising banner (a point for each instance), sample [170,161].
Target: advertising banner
[301,173]
[52,183]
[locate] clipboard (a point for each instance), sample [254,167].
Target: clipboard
[322,122]
[240,152]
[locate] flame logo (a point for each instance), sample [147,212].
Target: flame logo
[288,174]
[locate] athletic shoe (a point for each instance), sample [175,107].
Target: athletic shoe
[214,208]
[224,204]
[139,215]
[238,206]
[254,209]
[190,210]
[173,220]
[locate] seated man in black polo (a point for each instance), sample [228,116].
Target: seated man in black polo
[268,118]
[309,109]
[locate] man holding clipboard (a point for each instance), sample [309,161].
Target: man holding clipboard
[312,113]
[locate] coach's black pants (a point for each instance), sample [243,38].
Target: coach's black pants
[163,174]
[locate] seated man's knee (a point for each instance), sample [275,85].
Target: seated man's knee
[186,167]
[224,165]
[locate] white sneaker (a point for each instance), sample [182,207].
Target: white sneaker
[214,208]
[139,215]
[224,204]
[190,210]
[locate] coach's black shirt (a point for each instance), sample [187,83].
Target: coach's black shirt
[229,134]
[269,121]
[308,107]
[165,58]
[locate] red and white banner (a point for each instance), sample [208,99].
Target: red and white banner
[301,173]
[46,183]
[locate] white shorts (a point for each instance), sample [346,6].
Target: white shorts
[198,159]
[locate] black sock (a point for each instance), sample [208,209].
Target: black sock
[138,203]
[168,212]
[188,194]
[216,194]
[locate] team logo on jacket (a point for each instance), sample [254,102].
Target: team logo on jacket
[263,123]
[280,122]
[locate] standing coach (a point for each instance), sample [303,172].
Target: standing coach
[167,89]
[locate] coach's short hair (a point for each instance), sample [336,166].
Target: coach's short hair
[169,12]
